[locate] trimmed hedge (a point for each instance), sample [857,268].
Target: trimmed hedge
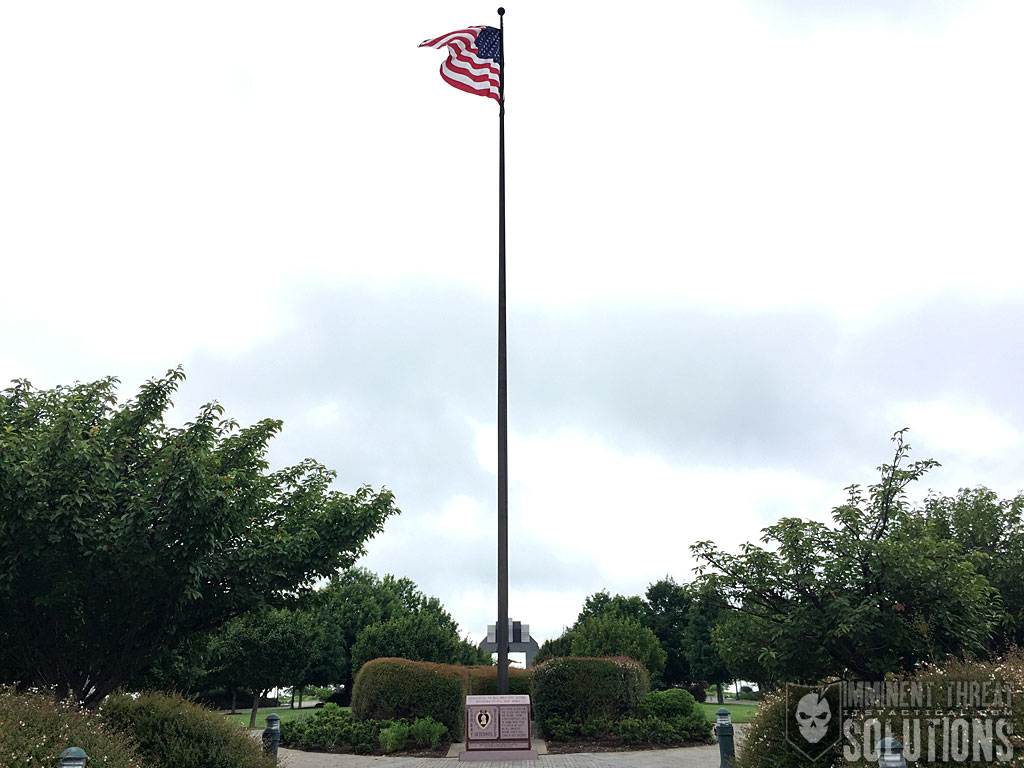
[483,681]
[388,688]
[580,689]
[173,731]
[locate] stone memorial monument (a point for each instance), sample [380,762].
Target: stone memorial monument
[498,728]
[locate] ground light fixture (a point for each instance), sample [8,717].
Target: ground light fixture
[890,754]
[73,757]
[272,734]
[723,730]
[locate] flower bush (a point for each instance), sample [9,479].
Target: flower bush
[34,731]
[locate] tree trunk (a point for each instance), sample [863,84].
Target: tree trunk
[291,704]
[256,696]
[234,701]
[301,691]
[721,698]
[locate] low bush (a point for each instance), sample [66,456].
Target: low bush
[663,731]
[749,696]
[328,728]
[597,728]
[580,688]
[364,736]
[34,731]
[746,689]
[173,731]
[393,737]
[632,730]
[559,729]
[397,688]
[427,732]
[669,704]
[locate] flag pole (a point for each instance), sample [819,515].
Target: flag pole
[501,631]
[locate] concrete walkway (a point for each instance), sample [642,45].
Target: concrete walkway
[690,757]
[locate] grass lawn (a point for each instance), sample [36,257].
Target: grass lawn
[741,713]
[242,718]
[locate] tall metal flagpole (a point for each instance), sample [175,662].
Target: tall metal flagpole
[501,631]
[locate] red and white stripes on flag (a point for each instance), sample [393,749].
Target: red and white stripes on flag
[467,67]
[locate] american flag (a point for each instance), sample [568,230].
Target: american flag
[474,60]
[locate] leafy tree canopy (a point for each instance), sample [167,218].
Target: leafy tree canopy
[417,637]
[264,650]
[876,592]
[120,534]
[609,635]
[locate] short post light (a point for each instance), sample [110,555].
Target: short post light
[890,754]
[723,729]
[272,734]
[73,757]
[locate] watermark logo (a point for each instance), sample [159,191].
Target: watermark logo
[952,721]
[946,721]
[814,715]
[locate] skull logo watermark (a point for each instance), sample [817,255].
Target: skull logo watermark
[814,715]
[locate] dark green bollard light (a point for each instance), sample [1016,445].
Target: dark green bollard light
[272,734]
[73,757]
[723,729]
[890,754]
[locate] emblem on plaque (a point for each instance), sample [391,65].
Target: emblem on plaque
[483,717]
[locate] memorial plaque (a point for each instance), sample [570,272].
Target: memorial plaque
[498,724]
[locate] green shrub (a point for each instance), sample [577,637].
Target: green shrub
[693,727]
[398,688]
[393,737]
[427,732]
[172,731]
[326,728]
[483,681]
[34,731]
[579,688]
[559,729]
[364,736]
[669,704]
[746,689]
[632,730]
[597,728]
[749,696]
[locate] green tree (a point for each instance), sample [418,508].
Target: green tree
[602,604]
[358,598]
[667,616]
[264,650]
[609,635]
[989,532]
[121,535]
[417,637]
[739,639]
[704,660]
[553,647]
[876,592]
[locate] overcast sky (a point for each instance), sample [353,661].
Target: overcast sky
[747,241]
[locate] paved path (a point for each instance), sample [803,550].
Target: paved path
[687,757]
[690,757]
